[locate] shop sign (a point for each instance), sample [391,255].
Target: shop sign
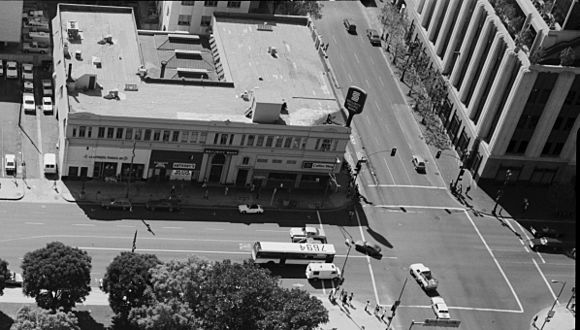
[180,175]
[220,151]
[107,157]
[318,166]
[160,164]
[186,166]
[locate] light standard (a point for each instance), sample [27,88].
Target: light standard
[348,243]
[551,311]
[499,195]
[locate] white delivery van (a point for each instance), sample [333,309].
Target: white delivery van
[322,271]
[10,164]
[49,163]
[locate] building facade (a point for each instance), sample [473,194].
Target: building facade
[157,105]
[513,104]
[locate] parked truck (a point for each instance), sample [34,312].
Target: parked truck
[423,276]
[33,47]
[307,233]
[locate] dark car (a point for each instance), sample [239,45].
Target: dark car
[164,204]
[15,281]
[120,203]
[350,25]
[374,37]
[547,244]
[545,232]
[371,249]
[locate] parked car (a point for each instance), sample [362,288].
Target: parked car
[27,71]
[34,47]
[440,308]
[250,209]
[423,276]
[120,203]
[10,164]
[11,70]
[163,204]
[1,68]
[371,249]
[545,232]
[28,103]
[547,244]
[15,280]
[350,25]
[419,164]
[28,86]
[46,87]
[374,37]
[47,105]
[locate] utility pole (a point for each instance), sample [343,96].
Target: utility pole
[397,303]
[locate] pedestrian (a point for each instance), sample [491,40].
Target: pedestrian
[377,309]
[331,294]
[467,190]
[367,306]
[350,298]
[204,185]
[326,47]
[226,190]
[460,188]
[206,194]
[350,215]
[252,187]
[341,292]
[344,299]
[384,314]
[172,190]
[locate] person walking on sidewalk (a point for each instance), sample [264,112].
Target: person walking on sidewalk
[377,309]
[226,190]
[344,299]
[467,190]
[350,298]
[206,194]
[367,306]
[173,190]
[331,294]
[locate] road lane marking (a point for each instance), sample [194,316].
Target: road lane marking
[215,229]
[367,83]
[520,238]
[404,186]
[378,106]
[272,230]
[349,77]
[126,226]
[172,227]
[162,250]
[120,238]
[451,208]
[362,235]
[527,239]
[356,58]
[381,80]
[546,281]
[494,260]
[83,224]
[388,169]
[34,223]
[483,309]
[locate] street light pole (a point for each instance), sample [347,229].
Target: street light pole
[508,174]
[555,301]
[348,243]
[397,303]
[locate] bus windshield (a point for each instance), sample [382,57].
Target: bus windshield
[294,252]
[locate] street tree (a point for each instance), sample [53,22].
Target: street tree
[29,318]
[293,309]
[126,280]
[4,275]
[297,7]
[57,276]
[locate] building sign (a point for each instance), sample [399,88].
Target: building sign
[185,166]
[355,99]
[160,164]
[318,166]
[107,157]
[220,151]
[180,175]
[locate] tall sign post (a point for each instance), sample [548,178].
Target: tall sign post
[354,102]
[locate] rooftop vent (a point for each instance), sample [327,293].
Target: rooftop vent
[192,73]
[109,39]
[265,27]
[273,51]
[190,54]
[72,29]
[184,38]
[79,55]
[131,87]
[97,62]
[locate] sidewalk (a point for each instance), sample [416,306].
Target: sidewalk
[11,189]
[351,317]
[563,319]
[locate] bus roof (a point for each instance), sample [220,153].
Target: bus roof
[296,247]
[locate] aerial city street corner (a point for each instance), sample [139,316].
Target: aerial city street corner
[324,165]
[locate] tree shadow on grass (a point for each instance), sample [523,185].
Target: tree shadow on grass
[5,321]
[86,321]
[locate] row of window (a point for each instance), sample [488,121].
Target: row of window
[231,4]
[194,137]
[519,147]
[186,20]
[274,161]
[530,122]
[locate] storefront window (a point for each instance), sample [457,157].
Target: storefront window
[269,141]
[296,143]
[110,132]
[82,131]
[243,139]
[119,133]
[147,136]
[166,136]
[157,135]
[224,139]
[74,132]
[184,136]
[251,139]
[279,141]
[129,134]
[260,141]
[101,133]
[138,133]
[288,142]
[175,136]
[194,136]
[203,137]
[89,131]
[326,144]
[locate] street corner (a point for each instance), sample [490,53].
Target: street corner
[67,193]
[351,315]
[11,189]
[556,318]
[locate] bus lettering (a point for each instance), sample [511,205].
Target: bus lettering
[311,247]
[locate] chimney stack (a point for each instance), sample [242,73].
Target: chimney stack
[163,65]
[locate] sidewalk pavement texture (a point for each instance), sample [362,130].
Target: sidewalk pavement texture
[563,319]
[193,194]
[11,189]
[351,316]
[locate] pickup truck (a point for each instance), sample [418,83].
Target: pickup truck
[423,276]
[33,47]
[303,234]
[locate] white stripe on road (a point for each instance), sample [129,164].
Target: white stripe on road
[356,58]
[272,230]
[349,77]
[495,260]
[381,80]
[215,229]
[163,250]
[378,106]
[172,227]
[545,280]
[520,238]
[467,308]
[126,226]
[388,169]
[404,186]
[367,83]
[120,238]
[83,224]
[451,208]
[34,223]
[368,259]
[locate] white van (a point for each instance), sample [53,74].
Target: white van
[10,164]
[322,271]
[49,163]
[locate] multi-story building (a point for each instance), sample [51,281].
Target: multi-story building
[249,105]
[195,16]
[11,21]
[514,85]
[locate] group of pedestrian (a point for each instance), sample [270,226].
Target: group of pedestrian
[379,311]
[345,297]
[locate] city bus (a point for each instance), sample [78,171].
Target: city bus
[271,252]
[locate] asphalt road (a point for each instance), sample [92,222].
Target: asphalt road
[488,277]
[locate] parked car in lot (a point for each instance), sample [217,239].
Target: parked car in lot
[546,244]
[419,164]
[163,204]
[27,71]
[28,86]
[34,47]
[46,87]
[119,203]
[15,280]
[371,249]
[423,276]
[374,37]
[440,308]
[350,25]
[47,105]
[28,103]
[250,209]
[11,70]
[10,164]
[545,232]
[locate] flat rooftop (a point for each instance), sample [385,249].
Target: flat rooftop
[295,76]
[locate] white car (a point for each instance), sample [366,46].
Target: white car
[28,102]
[46,104]
[440,308]
[28,86]
[11,70]
[27,73]
[46,87]
[419,164]
[250,209]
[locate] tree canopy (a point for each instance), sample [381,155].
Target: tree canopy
[126,280]
[4,275]
[57,276]
[197,293]
[297,7]
[29,318]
